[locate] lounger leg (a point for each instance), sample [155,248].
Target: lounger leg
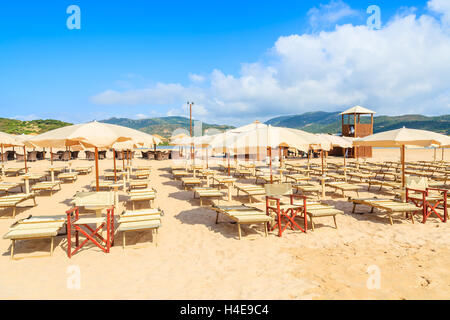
[217,217]
[239,230]
[390,220]
[335,222]
[354,207]
[265,229]
[14,212]
[123,240]
[312,223]
[156,237]
[51,246]
[12,249]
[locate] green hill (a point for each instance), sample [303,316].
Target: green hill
[30,127]
[330,122]
[163,126]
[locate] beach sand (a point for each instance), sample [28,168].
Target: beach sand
[198,259]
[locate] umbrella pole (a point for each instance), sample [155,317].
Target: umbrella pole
[96,170]
[323,178]
[281,156]
[3,165]
[229,170]
[270,164]
[51,155]
[442,153]
[434,159]
[403,166]
[345,166]
[206,158]
[25,158]
[115,173]
[123,160]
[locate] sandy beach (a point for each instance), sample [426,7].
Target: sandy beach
[198,259]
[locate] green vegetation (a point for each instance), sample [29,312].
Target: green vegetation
[30,127]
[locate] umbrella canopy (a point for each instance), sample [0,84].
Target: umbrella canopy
[404,137]
[90,135]
[9,140]
[401,138]
[336,141]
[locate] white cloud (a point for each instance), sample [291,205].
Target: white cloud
[442,7]
[196,78]
[402,68]
[329,14]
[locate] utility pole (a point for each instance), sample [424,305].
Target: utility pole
[190,128]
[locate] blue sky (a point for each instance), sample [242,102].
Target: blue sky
[146,58]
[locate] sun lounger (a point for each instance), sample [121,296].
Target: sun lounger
[47,186]
[102,184]
[383,183]
[344,187]
[8,186]
[267,179]
[142,195]
[143,168]
[68,176]
[140,220]
[11,201]
[138,184]
[360,176]
[142,174]
[389,206]
[242,214]
[298,177]
[112,176]
[316,210]
[34,228]
[306,189]
[243,173]
[83,170]
[207,193]
[250,191]
[178,174]
[190,182]
[14,171]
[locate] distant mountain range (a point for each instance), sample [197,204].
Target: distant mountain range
[326,122]
[330,122]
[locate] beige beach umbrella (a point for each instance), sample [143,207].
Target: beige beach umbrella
[7,140]
[90,135]
[402,138]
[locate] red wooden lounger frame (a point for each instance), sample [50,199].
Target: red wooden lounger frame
[426,208]
[287,216]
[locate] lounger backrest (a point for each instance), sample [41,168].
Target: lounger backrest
[280,189]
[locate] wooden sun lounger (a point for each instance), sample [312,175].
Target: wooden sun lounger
[178,174]
[250,191]
[142,195]
[381,183]
[316,210]
[343,186]
[140,220]
[243,173]
[189,182]
[102,184]
[138,184]
[68,176]
[266,179]
[209,193]
[388,205]
[83,170]
[47,186]
[14,171]
[142,174]
[11,201]
[305,189]
[8,186]
[32,228]
[297,177]
[243,215]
